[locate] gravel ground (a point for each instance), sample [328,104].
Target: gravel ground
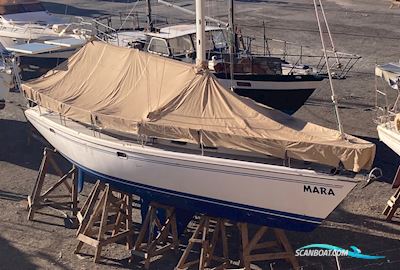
[364,27]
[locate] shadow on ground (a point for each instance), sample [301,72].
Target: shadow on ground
[16,150]
[385,159]
[12,258]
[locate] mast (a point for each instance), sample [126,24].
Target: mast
[333,97]
[219,22]
[149,19]
[232,41]
[200,34]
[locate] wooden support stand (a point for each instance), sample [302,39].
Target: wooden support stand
[392,204]
[166,238]
[40,199]
[254,245]
[112,210]
[395,3]
[201,236]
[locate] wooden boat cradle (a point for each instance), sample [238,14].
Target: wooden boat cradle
[38,199]
[394,201]
[113,209]
[166,238]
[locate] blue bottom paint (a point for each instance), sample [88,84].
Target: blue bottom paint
[81,179]
[212,207]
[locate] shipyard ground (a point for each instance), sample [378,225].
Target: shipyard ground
[365,27]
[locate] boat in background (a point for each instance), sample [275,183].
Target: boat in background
[388,113]
[270,79]
[260,78]
[26,26]
[6,78]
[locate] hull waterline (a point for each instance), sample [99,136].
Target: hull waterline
[263,194]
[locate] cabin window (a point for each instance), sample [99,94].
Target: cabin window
[181,45]
[219,39]
[209,42]
[214,40]
[159,46]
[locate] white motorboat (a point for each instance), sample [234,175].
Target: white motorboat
[28,22]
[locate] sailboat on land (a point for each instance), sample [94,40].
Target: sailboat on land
[170,132]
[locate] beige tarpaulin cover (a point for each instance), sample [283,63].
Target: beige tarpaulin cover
[137,92]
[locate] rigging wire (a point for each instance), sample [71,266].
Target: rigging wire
[334,97]
[329,32]
[129,14]
[66,7]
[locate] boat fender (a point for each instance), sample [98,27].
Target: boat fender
[397,122]
[58,28]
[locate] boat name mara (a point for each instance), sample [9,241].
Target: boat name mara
[319,190]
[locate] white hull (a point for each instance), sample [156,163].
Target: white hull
[388,134]
[266,194]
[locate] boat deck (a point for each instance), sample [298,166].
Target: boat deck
[178,147]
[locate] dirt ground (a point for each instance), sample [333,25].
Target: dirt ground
[364,27]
